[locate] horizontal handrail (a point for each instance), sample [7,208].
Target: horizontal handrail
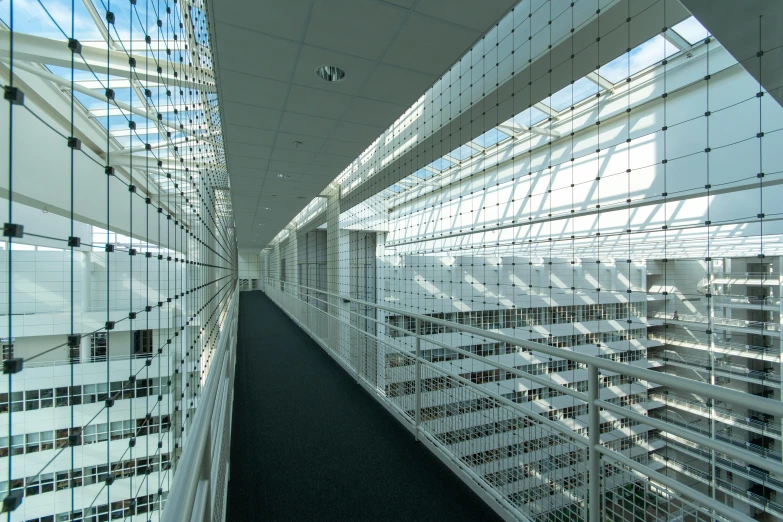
[718,366]
[717,410]
[727,345]
[765,405]
[332,307]
[92,359]
[746,299]
[184,498]
[720,321]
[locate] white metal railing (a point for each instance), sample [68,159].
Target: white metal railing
[199,486]
[728,346]
[91,359]
[718,321]
[747,275]
[745,300]
[721,414]
[726,367]
[701,427]
[726,463]
[455,409]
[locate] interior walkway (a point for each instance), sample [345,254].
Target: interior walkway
[308,443]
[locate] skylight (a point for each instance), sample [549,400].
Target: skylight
[692,30]
[31,18]
[490,138]
[651,52]
[573,94]
[526,118]
[462,153]
[440,164]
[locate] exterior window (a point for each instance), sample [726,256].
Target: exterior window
[98,343]
[142,343]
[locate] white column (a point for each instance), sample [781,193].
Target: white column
[380,296]
[292,269]
[337,271]
[84,349]
[85,263]
[612,277]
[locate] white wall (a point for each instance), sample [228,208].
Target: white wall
[248,264]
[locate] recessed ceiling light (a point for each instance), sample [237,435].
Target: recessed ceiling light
[330,73]
[282,176]
[267,208]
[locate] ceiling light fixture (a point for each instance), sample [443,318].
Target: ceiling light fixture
[330,73]
[267,208]
[282,176]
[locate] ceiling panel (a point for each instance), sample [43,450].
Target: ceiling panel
[316,102]
[262,55]
[250,116]
[478,16]
[425,43]
[254,90]
[288,133]
[373,112]
[358,27]
[396,84]
[250,135]
[275,17]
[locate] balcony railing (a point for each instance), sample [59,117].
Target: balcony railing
[718,321]
[696,427]
[725,462]
[725,367]
[721,414]
[729,300]
[446,404]
[725,346]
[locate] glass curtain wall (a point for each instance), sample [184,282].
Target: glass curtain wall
[597,177]
[118,256]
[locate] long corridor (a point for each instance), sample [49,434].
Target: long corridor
[310,444]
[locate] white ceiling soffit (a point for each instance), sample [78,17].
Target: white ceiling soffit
[744,28]
[288,133]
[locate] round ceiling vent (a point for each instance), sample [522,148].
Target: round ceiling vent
[330,73]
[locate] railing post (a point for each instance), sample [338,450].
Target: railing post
[593,456]
[418,377]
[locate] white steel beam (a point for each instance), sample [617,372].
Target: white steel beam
[54,52]
[99,96]
[600,81]
[543,132]
[676,40]
[509,129]
[116,111]
[532,130]
[159,145]
[546,109]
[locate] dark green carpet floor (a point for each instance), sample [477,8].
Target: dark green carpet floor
[308,443]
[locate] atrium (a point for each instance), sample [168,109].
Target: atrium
[391,260]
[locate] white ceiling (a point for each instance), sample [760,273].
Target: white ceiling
[266,52]
[744,28]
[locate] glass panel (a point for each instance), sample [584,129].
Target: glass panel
[692,30]
[649,53]
[573,94]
